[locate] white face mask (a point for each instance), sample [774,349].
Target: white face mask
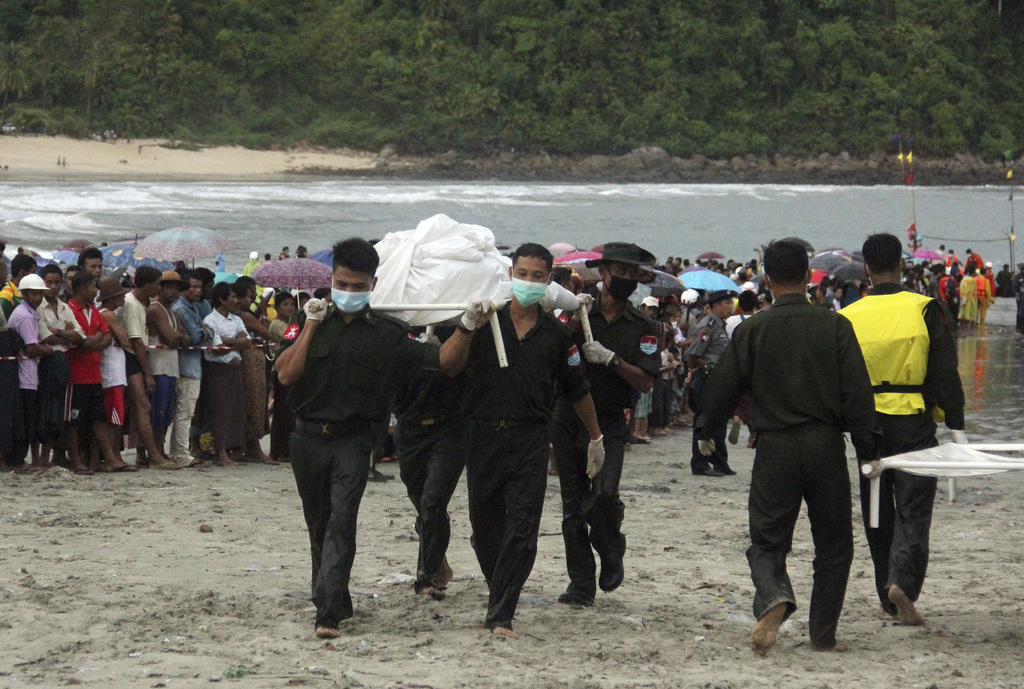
[349,302]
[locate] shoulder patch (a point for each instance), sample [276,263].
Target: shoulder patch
[291,332]
[704,336]
[648,344]
[574,356]
[564,317]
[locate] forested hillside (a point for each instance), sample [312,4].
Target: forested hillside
[711,77]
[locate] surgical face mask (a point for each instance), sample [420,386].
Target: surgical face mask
[621,288]
[349,302]
[528,293]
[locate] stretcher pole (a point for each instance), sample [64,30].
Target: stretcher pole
[499,341]
[588,334]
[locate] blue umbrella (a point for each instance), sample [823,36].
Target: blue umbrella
[222,276]
[326,256]
[66,256]
[124,256]
[708,280]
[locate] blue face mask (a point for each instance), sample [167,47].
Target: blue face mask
[528,293]
[349,302]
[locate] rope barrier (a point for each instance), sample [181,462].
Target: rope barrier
[198,348]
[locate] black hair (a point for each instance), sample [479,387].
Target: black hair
[240,288]
[532,250]
[785,263]
[91,252]
[205,275]
[882,252]
[146,275]
[81,279]
[747,300]
[50,269]
[221,291]
[22,263]
[281,297]
[321,292]
[246,280]
[356,254]
[186,274]
[73,268]
[560,274]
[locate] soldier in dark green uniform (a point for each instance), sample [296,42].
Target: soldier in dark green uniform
[809,382]
[343,370]
[623,358]
[709,341]
[508,415]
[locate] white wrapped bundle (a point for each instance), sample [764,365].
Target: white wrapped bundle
[440,262]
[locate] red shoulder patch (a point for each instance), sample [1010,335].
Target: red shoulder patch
[574,356]
[291,332]
[648,344]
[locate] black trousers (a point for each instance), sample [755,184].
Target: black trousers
[1020,315]
[330,474]
[807,463]
[27,436]
[430,461]
[506,474]
[899,546]
[720,458]
[592,512]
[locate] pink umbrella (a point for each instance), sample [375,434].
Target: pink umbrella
[578,257]
[561,248]
[293,273]
[928,255]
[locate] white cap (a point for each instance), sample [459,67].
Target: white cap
[690,296]
[650,301]
[253,256]
[748,286]
[31,281]
[988,264]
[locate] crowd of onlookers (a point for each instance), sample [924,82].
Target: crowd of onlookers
[168,363]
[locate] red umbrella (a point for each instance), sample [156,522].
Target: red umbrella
[708,255]
[579,257]
[294,273]
[817,275]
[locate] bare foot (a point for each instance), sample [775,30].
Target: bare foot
[763,637]
[327,632]
[436,594]
[905,610]
[444,573]
[504,632]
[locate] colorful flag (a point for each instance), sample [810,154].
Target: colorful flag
[1009,174]
[910,156]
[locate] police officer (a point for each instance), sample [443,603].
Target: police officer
[508,417]
[430,460]
[912,360]
[623,358]
[709,341]
[343,370]
[809,383]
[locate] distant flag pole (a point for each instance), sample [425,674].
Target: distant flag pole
[1012,236]
[907,176]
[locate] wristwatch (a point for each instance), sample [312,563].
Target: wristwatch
[614,363]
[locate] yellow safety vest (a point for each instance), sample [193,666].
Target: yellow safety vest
[894,338]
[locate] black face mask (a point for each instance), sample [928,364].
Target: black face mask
[621,288]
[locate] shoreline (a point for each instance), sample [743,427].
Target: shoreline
[35,158]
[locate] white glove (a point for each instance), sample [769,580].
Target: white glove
[478,312]
[960,438]
[315,309]
[706,447]
[597,353]
[429,339]
[875,471]
[595,457]
[584,301]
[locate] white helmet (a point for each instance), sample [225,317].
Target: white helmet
[748,286]
[690,296]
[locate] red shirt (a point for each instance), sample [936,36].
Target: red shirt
[85,366]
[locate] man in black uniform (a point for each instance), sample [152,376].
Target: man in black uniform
[343,370]
[911,356]
[508,413]
[809,382]
[622,358]
[430,461]
[709,341]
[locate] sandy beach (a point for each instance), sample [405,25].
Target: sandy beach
[34,158]
[108,581]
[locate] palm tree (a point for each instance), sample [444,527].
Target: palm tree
[13,72]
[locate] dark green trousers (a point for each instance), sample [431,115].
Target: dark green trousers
[331,474]
[807,463]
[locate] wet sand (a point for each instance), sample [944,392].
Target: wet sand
[108,581]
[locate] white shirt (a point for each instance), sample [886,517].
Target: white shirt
[221,327]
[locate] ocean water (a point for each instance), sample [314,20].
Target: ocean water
[664,218]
